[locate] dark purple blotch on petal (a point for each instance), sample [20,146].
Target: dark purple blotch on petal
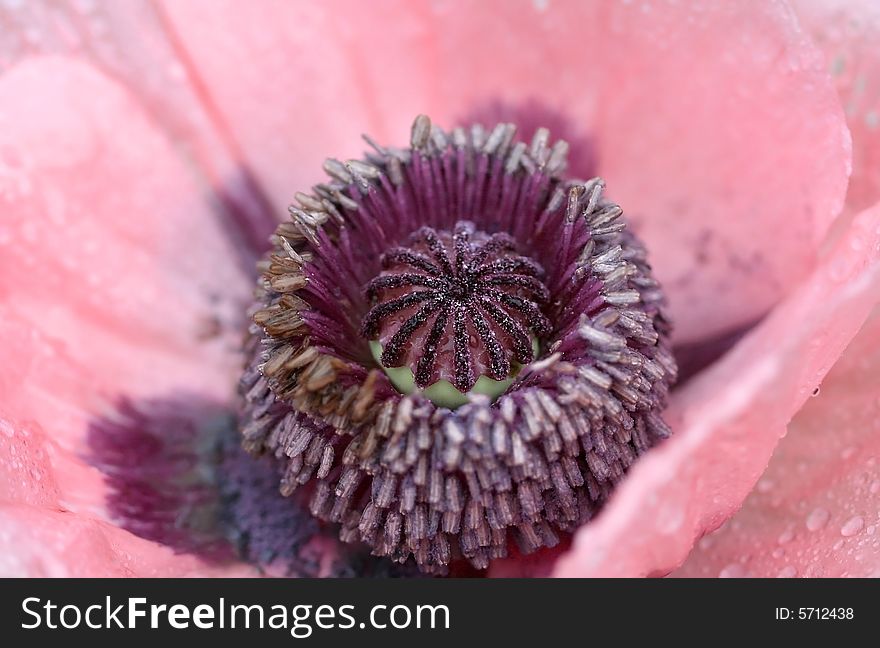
[177,475]
[158,461]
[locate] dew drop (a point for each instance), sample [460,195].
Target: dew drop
[765,485]
[6,429]
[852,526]
[817,519]
[670,518]
[786,536]
[733,570]
[787,572]
[874,488]
[856,243]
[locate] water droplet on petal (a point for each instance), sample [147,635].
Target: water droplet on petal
[852,526]
[817,519]
[670,518]
[786,536]
[765,485]
[734,570]
[787,572]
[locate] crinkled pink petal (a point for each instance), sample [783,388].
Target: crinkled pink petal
[816,510]
[299,82]
[115,278]
[717,126]
[721,134]
[130,41]
[847,32]
[728,420]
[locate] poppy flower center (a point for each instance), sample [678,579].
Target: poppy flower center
[414,280]
[456,306]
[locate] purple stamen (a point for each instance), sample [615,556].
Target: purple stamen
[456,255]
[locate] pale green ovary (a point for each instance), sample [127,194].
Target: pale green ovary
[442,392]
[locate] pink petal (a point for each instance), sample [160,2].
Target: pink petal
[41,542]
[728,420]
[115,278]
[301,82]
[847,32]
[718,128]
[130,41]
[816,510]
[720,132]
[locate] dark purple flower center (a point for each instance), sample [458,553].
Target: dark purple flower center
[468,256]
[456,305]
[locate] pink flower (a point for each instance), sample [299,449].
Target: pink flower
[146,147]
